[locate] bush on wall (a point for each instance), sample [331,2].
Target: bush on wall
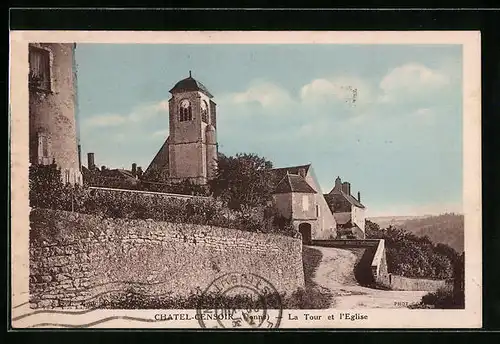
[412,256]
[47,191]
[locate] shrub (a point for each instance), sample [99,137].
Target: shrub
[442,299]
[47,191]
[131,299]
[412,256]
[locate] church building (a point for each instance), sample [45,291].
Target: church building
[190,150]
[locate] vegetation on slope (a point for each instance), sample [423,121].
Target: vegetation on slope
[415,256]
[446,229]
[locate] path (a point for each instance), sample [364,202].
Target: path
[335,274]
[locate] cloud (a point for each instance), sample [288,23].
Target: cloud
[139,113]
[424,115]
[161,133]
[411,80]
[105,121]
[416,210]
[267,94]
[350,90]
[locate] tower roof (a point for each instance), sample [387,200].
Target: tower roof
[190,84]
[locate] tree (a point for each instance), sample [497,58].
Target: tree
[45,184]
[243,180]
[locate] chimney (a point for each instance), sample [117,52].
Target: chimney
[359,197]
[90,161]
[134,169]
[338,183]
[302,172]
[139,172]
[346,187]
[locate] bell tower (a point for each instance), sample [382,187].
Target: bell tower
[192,145]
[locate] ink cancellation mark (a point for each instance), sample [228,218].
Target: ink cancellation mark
[240,300]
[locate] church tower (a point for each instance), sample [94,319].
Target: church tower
[192,144]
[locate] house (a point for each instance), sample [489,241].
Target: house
[348,211]
[190,150]
[53,131]
[298,197]
[106,177]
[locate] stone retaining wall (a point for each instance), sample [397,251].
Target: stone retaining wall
[77,258]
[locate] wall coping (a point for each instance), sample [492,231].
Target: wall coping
[149,192]
[379,254]
[347,242]
[447,280]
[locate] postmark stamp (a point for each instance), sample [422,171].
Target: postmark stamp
[240,300]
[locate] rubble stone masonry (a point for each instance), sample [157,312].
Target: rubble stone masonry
[76,259]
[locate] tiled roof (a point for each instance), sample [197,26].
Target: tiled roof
[293,183]
[349,198]
[281,172]
[353,200]
[342,218]
[160,161]
[125,173]
[190,84]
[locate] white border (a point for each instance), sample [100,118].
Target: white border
[471,317]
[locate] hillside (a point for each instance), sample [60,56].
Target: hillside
[397,221]
[446,228]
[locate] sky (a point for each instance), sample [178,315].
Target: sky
[386,118]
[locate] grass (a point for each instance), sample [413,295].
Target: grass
[314,296]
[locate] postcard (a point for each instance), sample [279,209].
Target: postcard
[245,180]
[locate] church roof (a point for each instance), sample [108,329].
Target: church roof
[190,84]
[160,161]
[293,183]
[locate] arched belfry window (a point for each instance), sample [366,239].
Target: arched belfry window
[204,111]
[185,111]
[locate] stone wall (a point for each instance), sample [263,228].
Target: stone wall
[379,268]
[75,259]
[421,284]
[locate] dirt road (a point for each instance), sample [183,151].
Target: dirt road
[335,275]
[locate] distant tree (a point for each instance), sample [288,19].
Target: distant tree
[371,226]
[243,180]
[413,256]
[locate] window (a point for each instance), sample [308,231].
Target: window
[39,62]
[204,111]
[185,112]
[317,211]
[44,151]
[305,202]
[66,176]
